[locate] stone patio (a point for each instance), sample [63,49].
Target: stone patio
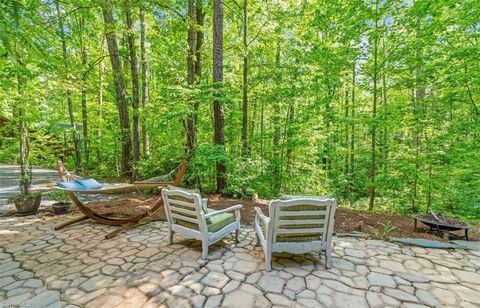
[76,266]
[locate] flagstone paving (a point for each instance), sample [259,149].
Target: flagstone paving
[76,266]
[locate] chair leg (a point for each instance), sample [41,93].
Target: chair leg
[257,243]
[204,250]
[268,261]
[170,237]
[328,258]
[236,236]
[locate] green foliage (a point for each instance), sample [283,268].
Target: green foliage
[57,195]
[244,176]
[388,227]
[311,84]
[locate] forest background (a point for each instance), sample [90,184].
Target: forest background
[375,102]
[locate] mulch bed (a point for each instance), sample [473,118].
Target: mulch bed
[346,220]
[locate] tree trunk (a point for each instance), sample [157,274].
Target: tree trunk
[143,60]
[352,127]
[262,132]
[191,42]
[373,167]
[24,148]
[385,113]
[135,92]
[347,114]
[126,142]
[429,193]
[199,43]
[277,180]
[218,113]
[289,134]
[245,149]
[101,85]
[76,139]
[83,54]
[419,94]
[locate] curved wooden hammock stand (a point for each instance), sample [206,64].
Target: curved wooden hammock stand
[124,223]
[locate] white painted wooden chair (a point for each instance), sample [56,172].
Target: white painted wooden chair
[188,215]
[296,226]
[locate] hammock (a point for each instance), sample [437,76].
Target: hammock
[152,183]
[174,178]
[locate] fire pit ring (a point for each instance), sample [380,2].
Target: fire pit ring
[442,224]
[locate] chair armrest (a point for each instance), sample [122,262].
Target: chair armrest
[259,214]
[229,209]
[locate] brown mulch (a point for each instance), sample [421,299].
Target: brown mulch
[376,225]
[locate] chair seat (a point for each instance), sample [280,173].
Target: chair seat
[214,223]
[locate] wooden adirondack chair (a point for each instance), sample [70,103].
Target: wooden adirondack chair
[296,226]
[188,215]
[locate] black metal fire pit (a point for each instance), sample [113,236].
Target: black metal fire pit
[442,224]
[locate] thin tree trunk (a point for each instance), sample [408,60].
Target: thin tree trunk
[253,125]
[191,41]
[429,194]
[122,105]
[245,149]
[200,15]
[83,53]
[385,114]
[218,111]
[289,134]
[419,94]
[373,167]
[135,92]
[24,148]
[76,139]
[347,112]
[262,132]
[101,85]
[277,180]
[144,63]
[352,127]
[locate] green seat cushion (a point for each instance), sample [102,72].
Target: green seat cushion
[214,223]
[298,237]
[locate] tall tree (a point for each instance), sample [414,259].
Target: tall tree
[245,148]
[76,139]
[101,85]
[144,64]
[418,97]
[118,78]
[83,56]
[191,42]
[375,75]
[135,91]
[218,112]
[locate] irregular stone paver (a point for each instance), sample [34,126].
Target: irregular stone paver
[76,266]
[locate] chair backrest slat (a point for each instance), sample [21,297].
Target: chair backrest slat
[186,218]
[299,222]
[302,213]
[176,202]
[184,208]
[189,212]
